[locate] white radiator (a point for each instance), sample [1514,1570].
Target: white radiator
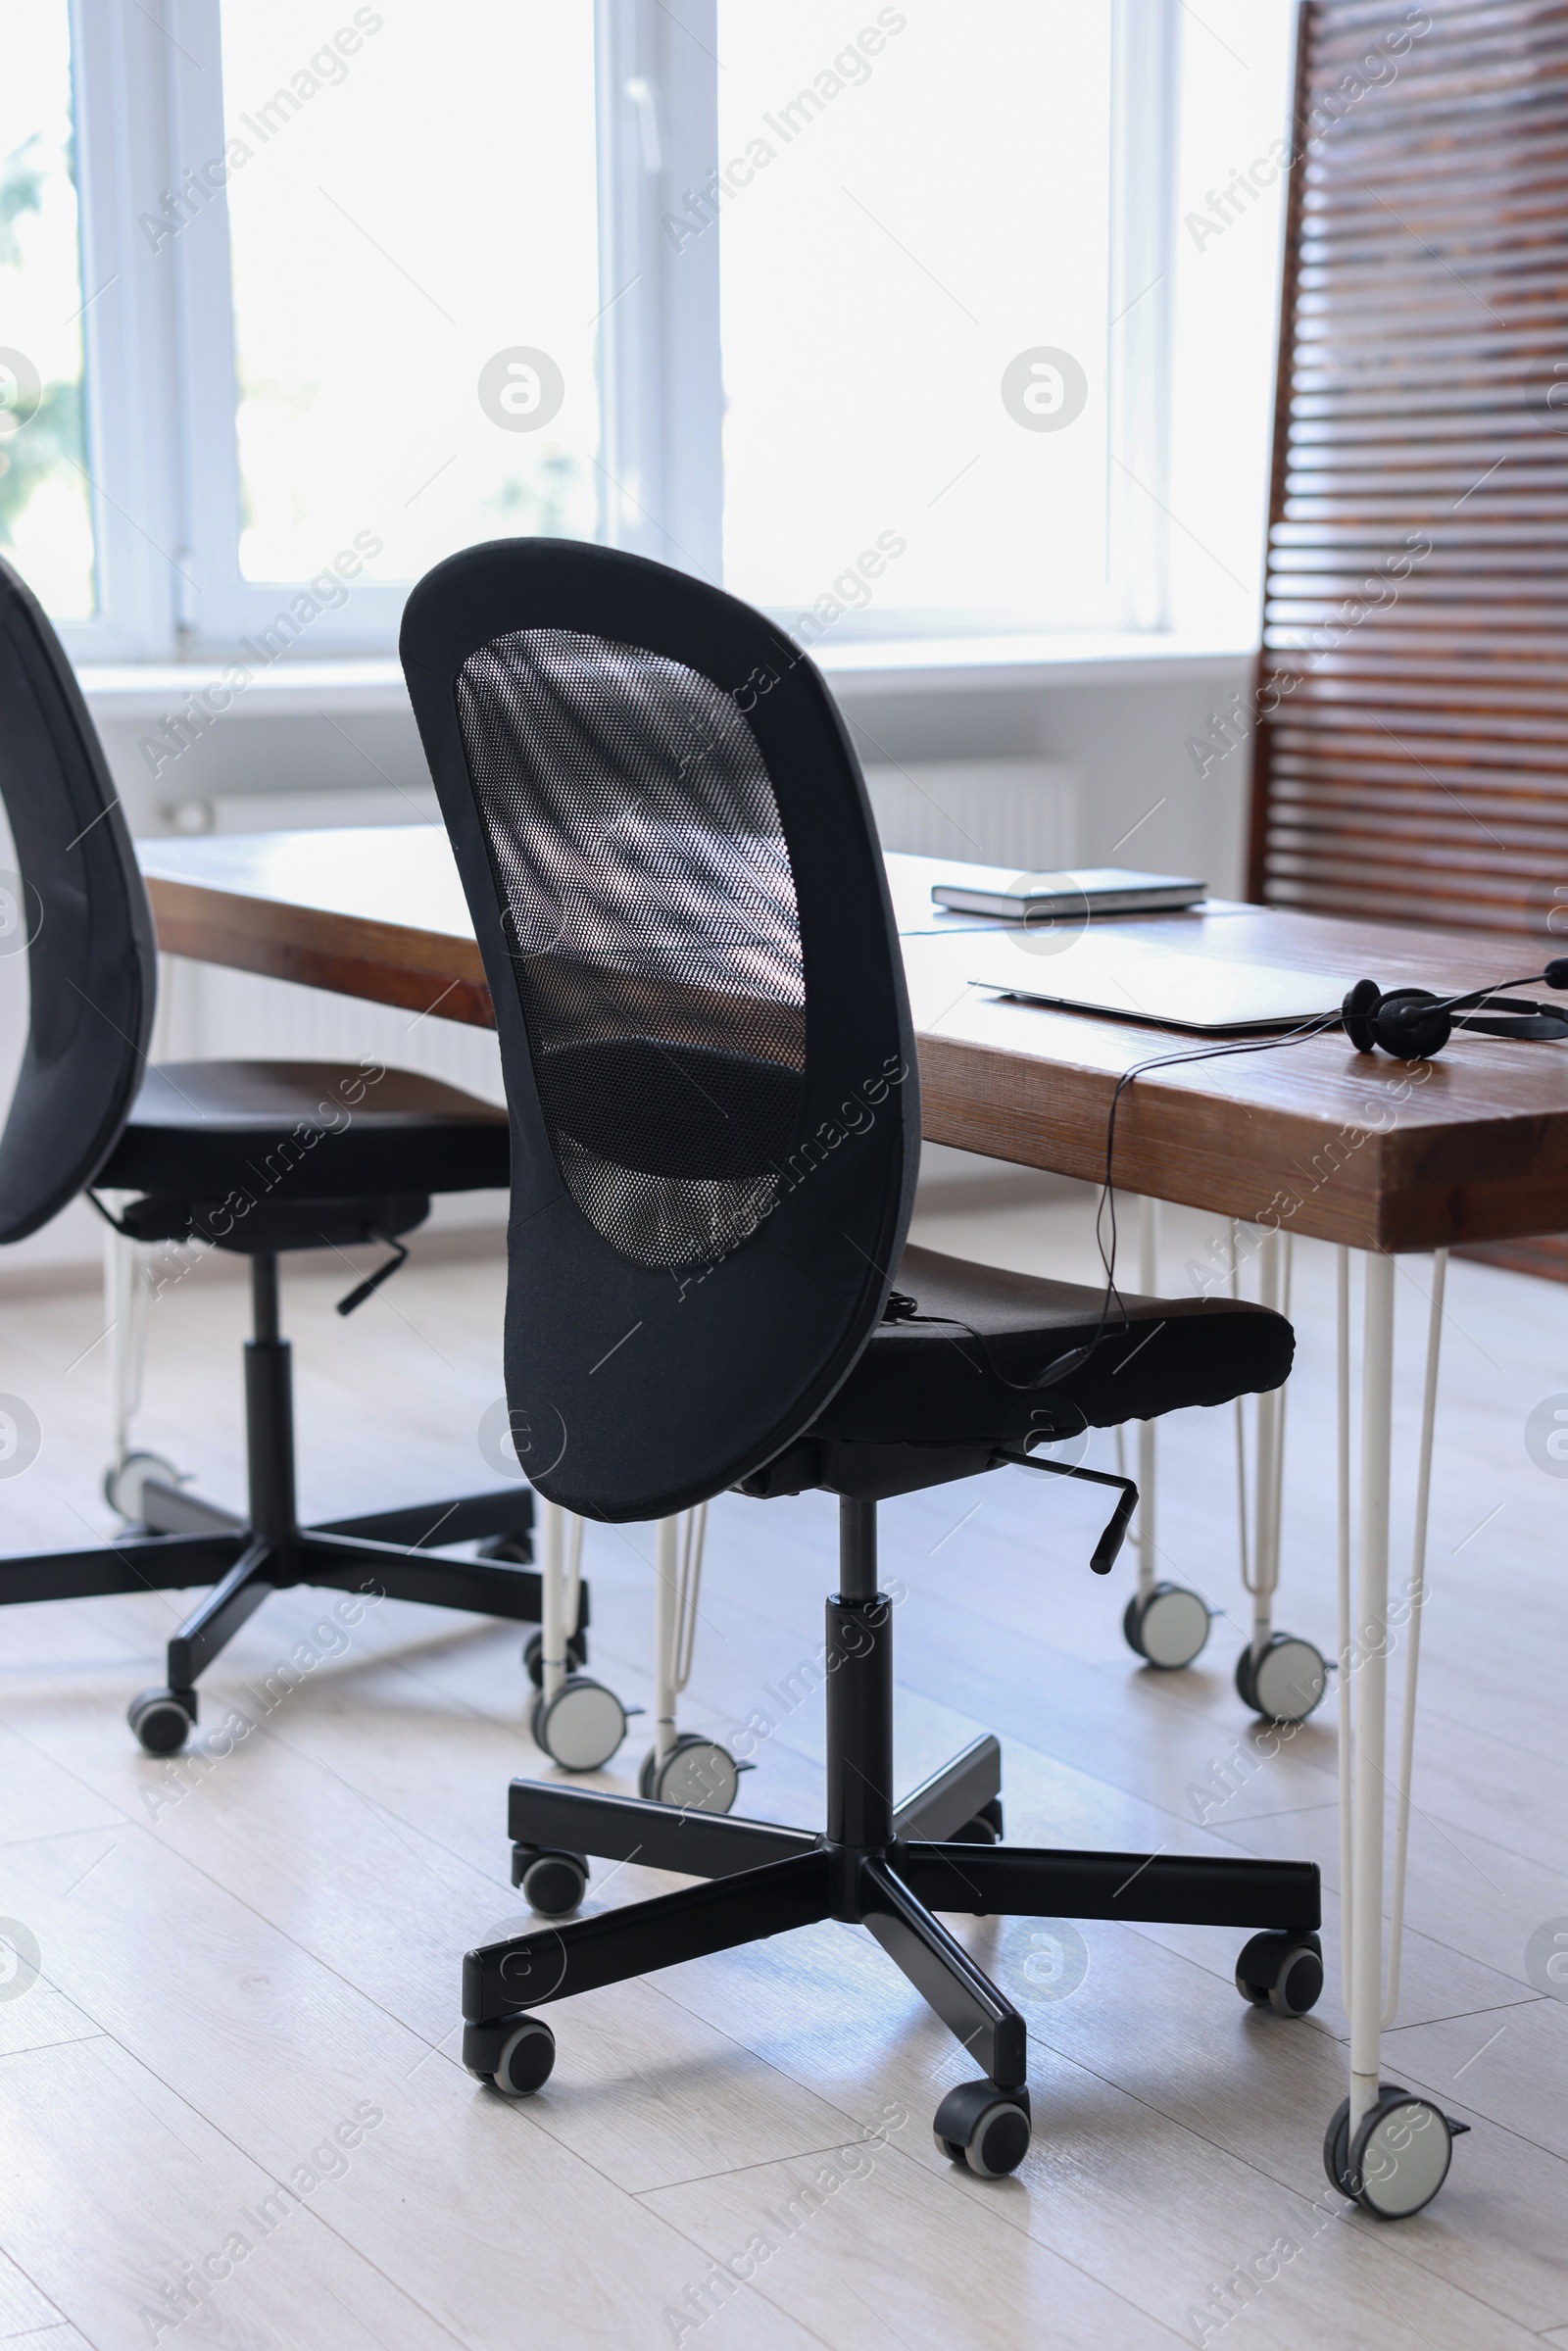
[1022,813]
[305,811]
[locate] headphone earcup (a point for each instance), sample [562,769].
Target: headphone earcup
[1404,1029]
[1360,1004]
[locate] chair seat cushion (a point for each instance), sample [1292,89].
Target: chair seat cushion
[964,1374]
[322,1130]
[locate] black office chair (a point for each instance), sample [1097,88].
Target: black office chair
[255,1157]
[710,1070]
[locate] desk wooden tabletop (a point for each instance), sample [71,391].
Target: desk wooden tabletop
[1471,1146]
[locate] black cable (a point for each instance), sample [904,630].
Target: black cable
[1317,1027]
[903,1308]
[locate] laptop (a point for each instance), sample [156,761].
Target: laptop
[1138,979]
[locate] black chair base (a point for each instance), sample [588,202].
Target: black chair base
[188,1540]
[384,1556]
[889,1870]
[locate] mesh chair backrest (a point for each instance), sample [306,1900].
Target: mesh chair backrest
[675,880]
[648,896]
[79,908]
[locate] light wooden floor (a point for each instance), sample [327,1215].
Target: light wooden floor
[239,1959]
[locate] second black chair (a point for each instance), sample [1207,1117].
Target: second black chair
[710,1070]
[251,1156]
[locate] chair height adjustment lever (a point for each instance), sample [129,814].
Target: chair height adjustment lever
[383,1273]
[1107,1550]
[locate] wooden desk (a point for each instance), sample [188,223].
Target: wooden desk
[1313,1139]
[1469,1148]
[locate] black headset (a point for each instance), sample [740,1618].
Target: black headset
[1412,1024]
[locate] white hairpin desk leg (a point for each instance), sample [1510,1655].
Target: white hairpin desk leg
[1370,1707]
[666,1617]
[1386,2146]
[124,1351]
[551,1524]
[1147,1449]
[1276,1293]
[1164,1623]
[682,1767]
[577,1720]
[126,1320]
[1281,1675]
[1413,1638]
[1343,1519]
[1270,1463]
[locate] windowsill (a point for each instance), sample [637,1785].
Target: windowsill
[937,664]
[136,690]
[145,690]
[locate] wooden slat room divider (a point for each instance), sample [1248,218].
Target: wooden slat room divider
[1411,751]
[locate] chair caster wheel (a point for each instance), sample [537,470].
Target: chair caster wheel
[533,1656]
[985,1828]
[697,1774]
[1399,2157]
[1286,1683]
[1168,1628]
[983,2126]
[516,2054]
[581,1726]
[162,1720]
[552,1883]
[516,1550]
[124,1480]
[1282,1972]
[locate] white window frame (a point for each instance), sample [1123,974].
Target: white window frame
[163,454]
[128,336]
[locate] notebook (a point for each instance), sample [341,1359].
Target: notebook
[1037,897]
[1136,979]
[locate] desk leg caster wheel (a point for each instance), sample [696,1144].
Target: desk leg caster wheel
[533,1656]
[581,1726]
[552,1883]
[516,2054]
[124,1482]
[1282,1972]
[1398,2160]
[1168,1628]
[161,1719]
[697,1774]
[983,2126]
[1286,1683]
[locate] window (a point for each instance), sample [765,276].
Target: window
[391,231]
[880,314]
[45,513]
[1227,243]
[874,312]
